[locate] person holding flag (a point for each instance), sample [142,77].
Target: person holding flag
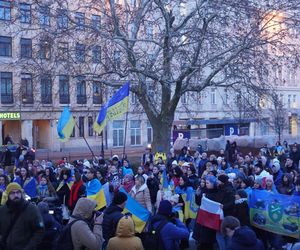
[94,188]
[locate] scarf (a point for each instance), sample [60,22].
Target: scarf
[43,190]
[128,186]
[74,193]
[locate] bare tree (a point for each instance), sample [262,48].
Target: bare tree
[169,48]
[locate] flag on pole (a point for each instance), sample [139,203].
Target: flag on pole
[210,214]
[65,125]
[113,109]
[140,215]
[190,206]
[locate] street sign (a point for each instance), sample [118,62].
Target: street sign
[231,129]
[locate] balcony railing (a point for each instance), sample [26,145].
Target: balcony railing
[81,99]
[7,99]
[64,99]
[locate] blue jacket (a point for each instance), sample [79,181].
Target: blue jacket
[244,238]
[171,234]
[278,178]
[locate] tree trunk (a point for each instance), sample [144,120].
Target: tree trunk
[161,136]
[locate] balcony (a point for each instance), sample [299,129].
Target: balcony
[7,99]
[81,99]
[97,99]
[27,99]
[64,99]
[46,99]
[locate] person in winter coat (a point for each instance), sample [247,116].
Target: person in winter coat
[112,215]
[27,232]
[83,234]
[65,185]
[153,184]
[52,227]
[125,238]
[45,190]
[128,182]
[226,194]
[205,236]
[286,186]
[78,190]
[141,194]
[193,178]
[241,208]
[173,231]
[241,238]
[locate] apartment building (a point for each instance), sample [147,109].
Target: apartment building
[49,59]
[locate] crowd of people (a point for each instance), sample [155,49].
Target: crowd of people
[59,191]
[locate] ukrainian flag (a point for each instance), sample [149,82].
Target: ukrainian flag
[113,109]
[95,191]
[164,180]
[190,206]
[65,125]
[140,215]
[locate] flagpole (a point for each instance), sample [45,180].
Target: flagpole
[124,148]
[86,142]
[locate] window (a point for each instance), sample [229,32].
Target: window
[289,101]
[63,50]
[5,46]
[118,133]
[5,10]
[44,16]
[81,126]
[96,21]
[80,20]
[80,52]
[96,54]
[62,19]
[64,97]
[90,126]
[200,97]
[25,13]
[6,88]
[133,98]
[135,132]
[26,48]
[213,97]
[149,132]
[26,88]
[117,59]
[184,98]
[294,104]
[97,93]
[46,89]
[149,31]
[45,50]
[81,90]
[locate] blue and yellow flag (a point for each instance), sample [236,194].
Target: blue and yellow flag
[113,109]
[190,206]
[65,125]
[164,180]
[140,215]
[95,191]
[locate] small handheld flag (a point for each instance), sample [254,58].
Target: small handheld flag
[65,125]
[114,108]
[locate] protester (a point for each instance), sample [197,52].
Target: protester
[240,238]
[141,194]
[173,231]
[125,238]
[82,234]
[21,224]
[112,215]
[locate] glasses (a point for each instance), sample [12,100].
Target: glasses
[15,192]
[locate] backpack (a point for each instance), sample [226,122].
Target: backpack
[152,239]
[64,239]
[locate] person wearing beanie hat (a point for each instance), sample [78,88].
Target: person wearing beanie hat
[112,215]
[277,172]
[223,178]
[28,227]
[211,179]
[172,230]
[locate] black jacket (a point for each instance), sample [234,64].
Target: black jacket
[244,239]
[153,186]
[226,196]
[241,211]
[111,217]
[28,230]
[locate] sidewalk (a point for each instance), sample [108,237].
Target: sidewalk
[134,154]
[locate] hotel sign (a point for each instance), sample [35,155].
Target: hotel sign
[10,115]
